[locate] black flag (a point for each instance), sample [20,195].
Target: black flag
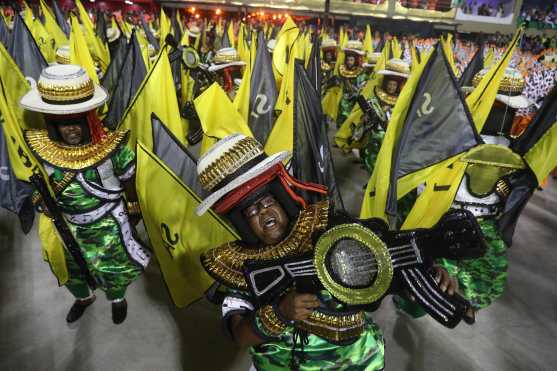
[4,33]
[15,195]
[225,42]
[175,25]
[60,19]
[311,159]
[25,51]
[263,93]
[174,155]
[438,125]
[100,27]
[475,66]
[523,183]
[314,66]
[150,38]
[117,55]
[132,74]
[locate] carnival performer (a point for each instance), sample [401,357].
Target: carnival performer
[352,78]
[329,56]
[227,66]
[89,171]
[374,123]
[302,329]
[484,193]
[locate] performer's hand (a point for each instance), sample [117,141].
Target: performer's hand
[446,283]
[297,307]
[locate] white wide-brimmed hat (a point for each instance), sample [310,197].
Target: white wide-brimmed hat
[396,67]
[354,46]
[510,88]
[230,163]
[194,31]
[64,89]
[329,43]
[225,57]
[112,34]
[372,59]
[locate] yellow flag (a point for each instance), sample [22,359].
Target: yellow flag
[13,87]
[97,48]
[79,52]
[177,235]
[446,43]
[241,100]
[44,40]
[489,58]
[542,157]
[52,26]
[243,48]
[52,249]
[368,41]
[281,137]
[375,198]
[286,38]
[231,36]
[212,106]
[156,94]
[164,26]
[397,49]
[442,186]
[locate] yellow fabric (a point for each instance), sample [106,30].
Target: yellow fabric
[397,49]
[156,94]
[231,37]
[446,43]
[164,26]
[489,58]
[241,100]
[13,86]
[330,102]
[212,106]
[52,26]
[286,38]
[281,137]
[144,44]
[98,49]
[542,157]
[432,204]
[79,52]
[368,41]
[243,48]
[44,40]
[52,249]
[375,197]
[178,236]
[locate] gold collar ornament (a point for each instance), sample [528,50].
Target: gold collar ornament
[225,262]
[385,97]
[349,73]
[73,157]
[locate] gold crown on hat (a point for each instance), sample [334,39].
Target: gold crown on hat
[373,57]
[229,161]
[397,65]
[63,55]
[512,83]
[328,43]
[71,85]
[354,44]
[226,55]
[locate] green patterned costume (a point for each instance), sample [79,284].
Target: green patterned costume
[352,82]
[371,150]
[482,280]
[361,345]
[92,202]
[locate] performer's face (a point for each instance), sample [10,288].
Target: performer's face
[329,56]
[391,87]
[350,61]
[71,134]
[267,219]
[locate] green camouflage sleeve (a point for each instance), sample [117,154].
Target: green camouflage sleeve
[124,163]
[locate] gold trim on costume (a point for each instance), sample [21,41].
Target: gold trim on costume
[72,157]
[385,97]
[225,262]
[58,93]
[245,150]
[383,277]
[325,66]
[222,59]
[509,84]
[334,327]
[349,73]
[270,322]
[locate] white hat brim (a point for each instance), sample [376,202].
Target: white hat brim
[216,67]
[360,52]
[238,181]
[392,73]
[368,65]
[33,101]
[516,101]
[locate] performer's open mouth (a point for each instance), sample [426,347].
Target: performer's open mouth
[270,222]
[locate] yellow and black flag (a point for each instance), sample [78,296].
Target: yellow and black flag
[475,66]
[168,189]
[436,128]
[60,19]
[25,51]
